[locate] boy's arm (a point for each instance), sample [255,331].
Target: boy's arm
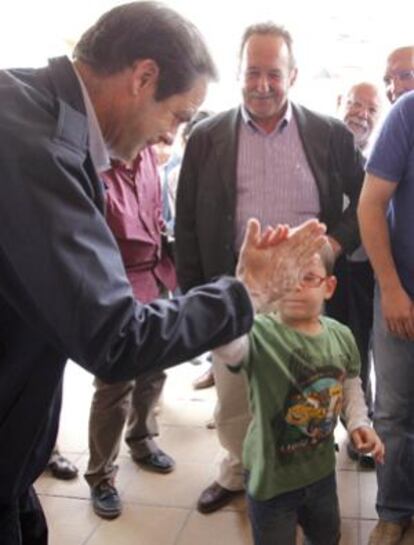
[363,436]
[354,408]
[233,353]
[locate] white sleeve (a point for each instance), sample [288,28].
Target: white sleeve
[232,353]
[354,408]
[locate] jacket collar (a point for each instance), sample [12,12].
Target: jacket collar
[315,134]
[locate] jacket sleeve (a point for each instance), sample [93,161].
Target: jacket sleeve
[187,253]
[348,166]
[63,274]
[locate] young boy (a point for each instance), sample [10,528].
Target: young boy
[302,370]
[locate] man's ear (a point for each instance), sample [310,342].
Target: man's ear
[292,76]
[145,74]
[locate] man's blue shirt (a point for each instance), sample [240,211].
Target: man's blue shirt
[392,159]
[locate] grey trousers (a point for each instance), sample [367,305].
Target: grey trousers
[113,405]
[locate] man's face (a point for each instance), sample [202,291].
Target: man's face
[266,76]
[142,120]
[399,74]
[361,112]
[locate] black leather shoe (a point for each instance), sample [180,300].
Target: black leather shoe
[61,468]
[215,497]
[105,501]
[158,461]
[366,461]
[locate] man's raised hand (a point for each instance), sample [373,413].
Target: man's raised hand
[270,261]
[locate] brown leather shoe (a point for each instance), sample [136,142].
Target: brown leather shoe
[387,533]
[215,497]
[205,380]
[408,538]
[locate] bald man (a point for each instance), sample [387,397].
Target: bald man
[360,111]
[399,73]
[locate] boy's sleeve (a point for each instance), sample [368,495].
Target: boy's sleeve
[354,408]
[233,353]
[353,367]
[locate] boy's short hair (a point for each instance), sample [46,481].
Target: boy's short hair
[327,256]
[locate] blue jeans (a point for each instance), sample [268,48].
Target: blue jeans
[394,420]
[315,508]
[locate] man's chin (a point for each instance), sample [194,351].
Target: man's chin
[127,155]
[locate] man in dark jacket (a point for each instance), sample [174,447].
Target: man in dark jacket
[271,159]
[138,72]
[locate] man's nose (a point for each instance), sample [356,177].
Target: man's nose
[263,83]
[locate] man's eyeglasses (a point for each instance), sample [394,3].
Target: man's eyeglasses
[311,280]
[402,75]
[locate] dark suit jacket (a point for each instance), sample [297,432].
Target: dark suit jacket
[63,289]
[206,198]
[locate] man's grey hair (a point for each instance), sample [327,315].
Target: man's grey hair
[269,29]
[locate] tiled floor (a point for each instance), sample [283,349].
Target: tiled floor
[160,509]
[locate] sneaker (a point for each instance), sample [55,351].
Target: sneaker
[387,533]
[105,500]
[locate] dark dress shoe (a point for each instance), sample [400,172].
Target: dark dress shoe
[158,461]
[366,461]
[215,497]
[61,468]
[105,501]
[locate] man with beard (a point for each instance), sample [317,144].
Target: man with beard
[360,110]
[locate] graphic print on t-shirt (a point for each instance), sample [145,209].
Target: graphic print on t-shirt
[312,406]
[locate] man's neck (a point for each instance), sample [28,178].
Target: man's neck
[269,124]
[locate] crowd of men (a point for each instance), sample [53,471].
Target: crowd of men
[84,258]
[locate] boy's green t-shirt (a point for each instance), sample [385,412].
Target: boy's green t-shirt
[296,384]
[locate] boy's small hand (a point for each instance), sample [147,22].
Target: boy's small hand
[366,441]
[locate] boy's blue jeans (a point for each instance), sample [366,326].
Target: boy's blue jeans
[315,508]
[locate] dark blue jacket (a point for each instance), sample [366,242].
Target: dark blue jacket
[63,289]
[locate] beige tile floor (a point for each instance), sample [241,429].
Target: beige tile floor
[160,509]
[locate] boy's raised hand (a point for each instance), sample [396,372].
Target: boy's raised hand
[270,261]
[366,441]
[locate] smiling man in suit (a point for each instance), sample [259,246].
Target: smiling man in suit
[268,158]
